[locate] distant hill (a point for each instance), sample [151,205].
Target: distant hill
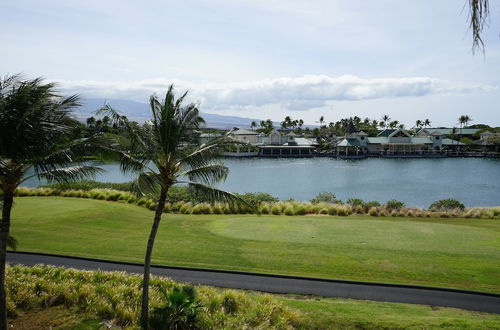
[140,112]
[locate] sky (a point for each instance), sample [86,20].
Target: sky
[265,59]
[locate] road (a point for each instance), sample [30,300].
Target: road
[483,302]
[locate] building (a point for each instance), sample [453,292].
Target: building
[393,142]
[276,144]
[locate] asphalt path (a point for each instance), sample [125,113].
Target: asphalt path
[470,300]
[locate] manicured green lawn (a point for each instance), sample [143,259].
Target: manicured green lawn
[460,253]
[337,313]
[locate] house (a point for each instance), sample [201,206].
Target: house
[393,142]
[277,144]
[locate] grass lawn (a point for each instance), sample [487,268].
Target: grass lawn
[459,253]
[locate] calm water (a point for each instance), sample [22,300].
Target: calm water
[417,182]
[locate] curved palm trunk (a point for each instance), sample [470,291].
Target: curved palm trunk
[147,260]
[8,199]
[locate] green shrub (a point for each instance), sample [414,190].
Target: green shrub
[276,209]
[255,199]
[355,202]
[446,205]
[180,310]
[372,204]
[325,197]
[89,185]
[288,210]
[394,204]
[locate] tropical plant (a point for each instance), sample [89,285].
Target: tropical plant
[325,197]
[165,152]
[34,143]
[394,204]
[446,205]
[386,119]
[180,310]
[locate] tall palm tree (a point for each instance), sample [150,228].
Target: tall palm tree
[166,152]
[463,120]
[386,120]
[427,122]
[33,139]
[253,124]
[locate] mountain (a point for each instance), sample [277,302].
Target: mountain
[140,112]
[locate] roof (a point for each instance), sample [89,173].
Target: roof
[447,131]
[386,132]
[490,133]
[241,131]
[305,141]
[349,143]
[361,133]
[450,142]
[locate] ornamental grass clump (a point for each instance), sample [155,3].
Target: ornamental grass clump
[115,297]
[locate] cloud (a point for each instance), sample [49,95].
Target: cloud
[301,93]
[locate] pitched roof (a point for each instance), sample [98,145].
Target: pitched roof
[241,131]
[349,143]
[386,132]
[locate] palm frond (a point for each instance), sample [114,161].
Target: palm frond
[211,194]
[147,183]
[209,174]
[72,173]
[12,242]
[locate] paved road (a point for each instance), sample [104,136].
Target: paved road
[283,284]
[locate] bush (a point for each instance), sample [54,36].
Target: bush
[89,185]
[394,204]
[447,205]
[325,197]
[180,310]
[355,202]
[255,199]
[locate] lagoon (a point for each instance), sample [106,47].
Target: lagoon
[417,182]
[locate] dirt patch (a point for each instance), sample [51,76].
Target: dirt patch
[50,318]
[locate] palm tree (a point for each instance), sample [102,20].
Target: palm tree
[33,138]
[427,122]
[463,120]
[386,120]
[419,123]
[253,124]
[165,152]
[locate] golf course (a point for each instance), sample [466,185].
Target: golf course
[445,252]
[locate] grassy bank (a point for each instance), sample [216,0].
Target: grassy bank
[288,208]
[47,296]
[460,253]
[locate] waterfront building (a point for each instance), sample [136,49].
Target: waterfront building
[394,142]
[275,144]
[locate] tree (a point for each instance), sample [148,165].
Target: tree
[253,124]
[478,14]
[385,120]
[33,137]
[427,122]
[463,120]
[166,152]
[419,123]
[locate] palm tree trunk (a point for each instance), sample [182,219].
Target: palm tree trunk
[8,199]
[147,260]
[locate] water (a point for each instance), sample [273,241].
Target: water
[417,182]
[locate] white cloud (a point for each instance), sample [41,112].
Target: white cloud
[301,93]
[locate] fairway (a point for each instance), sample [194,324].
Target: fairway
[459,253]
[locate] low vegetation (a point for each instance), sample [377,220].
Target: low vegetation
[180,202]
[95,299]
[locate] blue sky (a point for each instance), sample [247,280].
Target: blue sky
[265,59]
